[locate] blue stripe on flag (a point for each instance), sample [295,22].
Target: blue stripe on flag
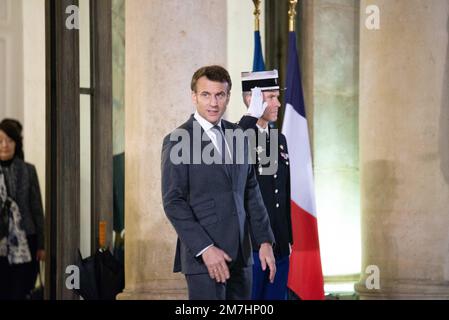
[258,63]
[294,94]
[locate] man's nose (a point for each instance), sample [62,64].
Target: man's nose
[213,100]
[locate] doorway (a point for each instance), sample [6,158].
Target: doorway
[79,197]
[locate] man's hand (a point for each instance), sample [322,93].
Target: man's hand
[215,261]
[266,257]
[257,105]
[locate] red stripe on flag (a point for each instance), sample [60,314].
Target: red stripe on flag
[305,277]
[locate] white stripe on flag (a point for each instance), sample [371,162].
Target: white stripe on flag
[302,186]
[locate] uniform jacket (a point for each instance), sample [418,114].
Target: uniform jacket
[275,189]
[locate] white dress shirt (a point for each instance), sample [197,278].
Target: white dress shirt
[262,130]
[207,127]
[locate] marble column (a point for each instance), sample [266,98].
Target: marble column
[335,134]
[166,41]
[34,86]
[404,150]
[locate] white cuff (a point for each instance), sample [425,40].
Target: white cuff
[202,251]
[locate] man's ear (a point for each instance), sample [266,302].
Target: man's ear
[194,98]
[247,98]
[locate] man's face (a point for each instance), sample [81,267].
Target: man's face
[273,105]
[211,99]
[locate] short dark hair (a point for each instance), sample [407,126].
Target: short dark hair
[13,130]
[213,73]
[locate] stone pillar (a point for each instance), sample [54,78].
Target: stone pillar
[335,134]
[404,150]
[166,41]
[34,86]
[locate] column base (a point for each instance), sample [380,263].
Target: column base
[156,290]
[404,290]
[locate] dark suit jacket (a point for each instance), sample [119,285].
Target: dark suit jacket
[23,187]
[208,204]
[275,189]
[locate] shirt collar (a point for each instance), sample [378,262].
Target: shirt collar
[262,129]
[206,125]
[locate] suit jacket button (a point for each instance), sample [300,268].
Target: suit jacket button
[277,205]
[276,191]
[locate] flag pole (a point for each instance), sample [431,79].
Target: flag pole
[258,62]
[256,15]
[292,16]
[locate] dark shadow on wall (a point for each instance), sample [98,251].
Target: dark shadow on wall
[444,117]
[119,206]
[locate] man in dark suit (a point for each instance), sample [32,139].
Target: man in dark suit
[213,204]
[261,96]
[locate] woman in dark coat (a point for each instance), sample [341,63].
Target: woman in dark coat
[21,216]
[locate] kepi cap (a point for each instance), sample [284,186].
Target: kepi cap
[265,80]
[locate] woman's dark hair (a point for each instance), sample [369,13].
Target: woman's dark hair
[13,129]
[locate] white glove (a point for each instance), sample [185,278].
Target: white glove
[257,105]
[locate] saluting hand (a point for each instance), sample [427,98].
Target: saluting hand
[257,106]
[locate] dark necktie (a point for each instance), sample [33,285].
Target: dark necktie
[221,143]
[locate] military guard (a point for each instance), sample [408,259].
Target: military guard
[261,96]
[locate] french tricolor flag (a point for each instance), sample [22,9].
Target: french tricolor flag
[305,275]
